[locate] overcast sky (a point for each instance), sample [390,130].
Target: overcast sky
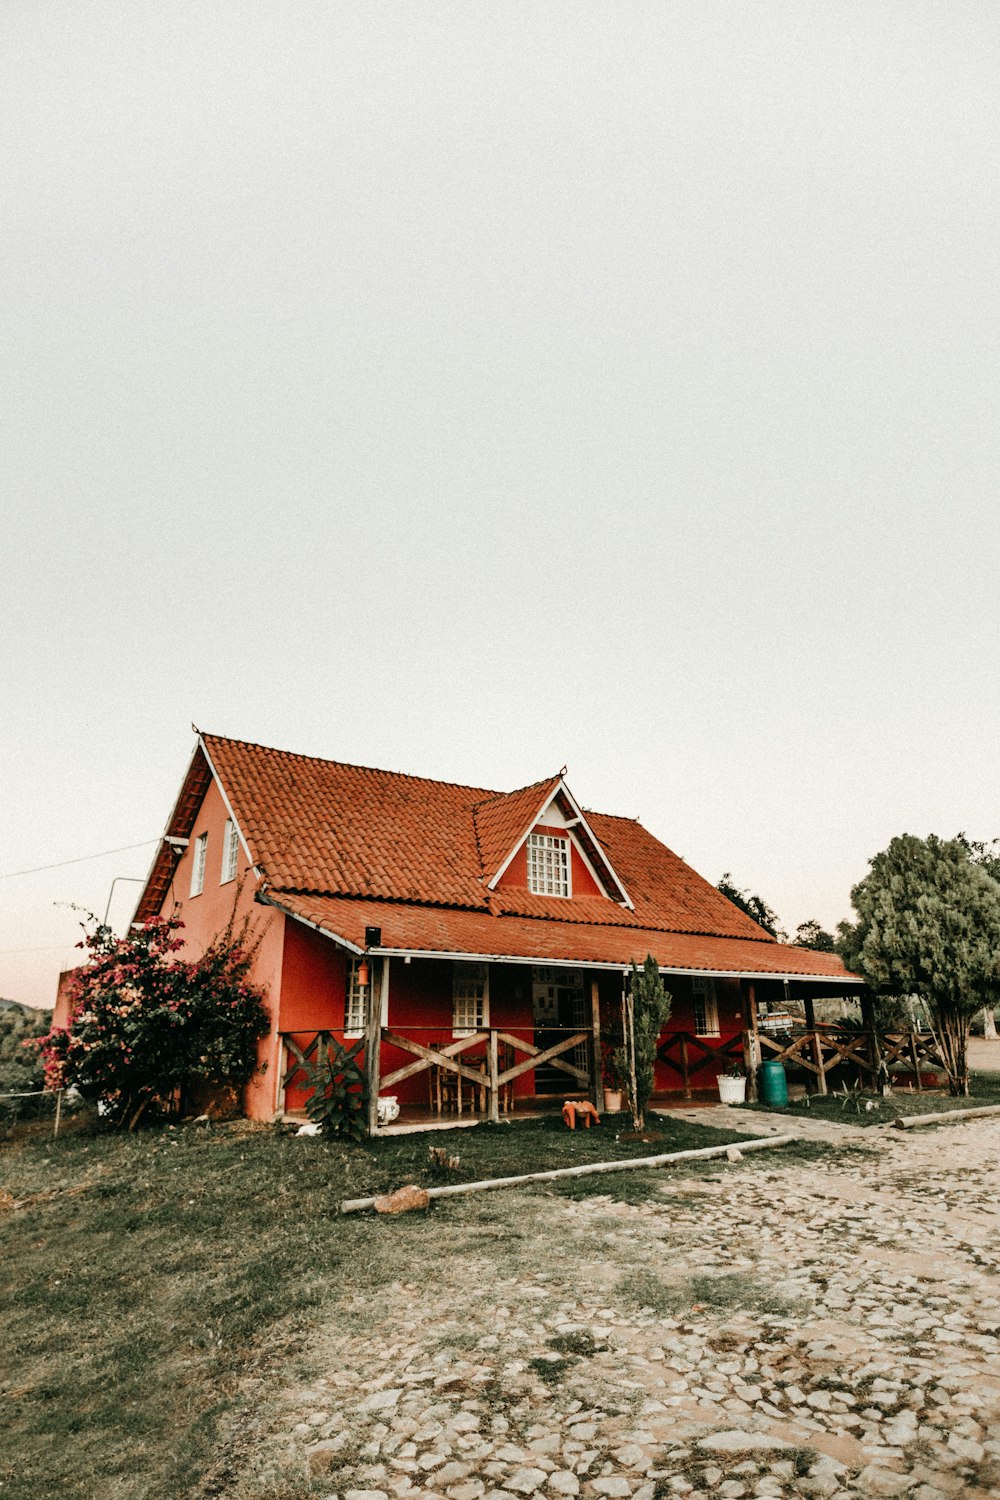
[470,389]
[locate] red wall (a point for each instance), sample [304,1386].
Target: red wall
[727,998]
[314,976]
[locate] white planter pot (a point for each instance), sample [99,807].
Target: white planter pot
[388,1109]
[612,1101]
[733,1090]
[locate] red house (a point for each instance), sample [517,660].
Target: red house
[477,940]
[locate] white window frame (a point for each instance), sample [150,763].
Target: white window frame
[704,998]
[470,998]
[355,1003]
[198,864]
[230,852]
[550,865]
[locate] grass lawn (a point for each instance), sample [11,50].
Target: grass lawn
[144,1274]
[854,1110]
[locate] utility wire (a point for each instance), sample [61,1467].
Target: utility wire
[11,874]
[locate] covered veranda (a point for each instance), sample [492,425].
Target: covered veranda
[446,1078]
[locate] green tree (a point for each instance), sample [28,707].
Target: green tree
[929,925]
[646,1007]
[811,935]
[987,856]
[755,907]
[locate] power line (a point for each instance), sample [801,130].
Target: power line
[61,863]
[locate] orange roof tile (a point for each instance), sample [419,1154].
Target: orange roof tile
[322,825]
[334,839]
[505,818]
[436,931]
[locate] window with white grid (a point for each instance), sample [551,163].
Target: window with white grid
[548,865]
[198,867]
[706,1009]
[470,998]
[355,1003]
[230,851]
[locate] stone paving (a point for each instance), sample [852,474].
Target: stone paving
[829,1328]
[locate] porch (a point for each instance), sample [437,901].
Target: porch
[459,1043]
[468,1079]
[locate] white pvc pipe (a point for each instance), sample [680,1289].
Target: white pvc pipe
[459,1189]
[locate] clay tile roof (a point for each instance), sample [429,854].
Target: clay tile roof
[666,892]
[504,819]
[441,931]
[322,825]
[330,839]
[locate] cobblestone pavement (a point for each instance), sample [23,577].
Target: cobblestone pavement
[828,1328]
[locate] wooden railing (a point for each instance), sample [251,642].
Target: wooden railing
[490,1077]
[872,1054]
[819,1050]
[687,1054]
[483,1059]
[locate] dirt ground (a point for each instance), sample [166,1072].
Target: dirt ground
[829,1328]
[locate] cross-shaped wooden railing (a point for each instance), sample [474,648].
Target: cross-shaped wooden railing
[489,1078]
[820,1049]
[706,1050]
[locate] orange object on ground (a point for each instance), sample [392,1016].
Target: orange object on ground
[586,1111]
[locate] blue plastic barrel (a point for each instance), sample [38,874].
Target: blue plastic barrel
[773,1087]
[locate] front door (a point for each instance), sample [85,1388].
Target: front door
[559,1007]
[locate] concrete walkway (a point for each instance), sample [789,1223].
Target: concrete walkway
[762,1122]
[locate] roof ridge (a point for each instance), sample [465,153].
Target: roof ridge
[516,791]
[351,765]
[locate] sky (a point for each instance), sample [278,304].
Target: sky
[472,389]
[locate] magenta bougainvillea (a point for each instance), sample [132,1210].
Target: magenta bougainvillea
[146,1024]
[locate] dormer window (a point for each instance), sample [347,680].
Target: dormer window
[548,865]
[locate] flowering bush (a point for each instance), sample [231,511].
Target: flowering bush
[146,1025]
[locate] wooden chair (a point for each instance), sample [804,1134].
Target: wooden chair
[450,1093]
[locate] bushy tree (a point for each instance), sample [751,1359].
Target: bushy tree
[987,856]
[755,907]
[646,1010]
[929,925]
[146,1025]
[811,935]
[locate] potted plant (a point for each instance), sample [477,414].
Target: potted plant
[733,1086]
[613,1078]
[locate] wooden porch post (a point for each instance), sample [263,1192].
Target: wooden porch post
[816,1045]
[281,1091]
[751,1049]
[373,1040]
[597,1078]
[493,1069]
[685,1072]
[820,1066]
[868,1017]
[915,1058]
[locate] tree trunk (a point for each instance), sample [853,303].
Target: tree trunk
[951,1038]
[638,1119]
